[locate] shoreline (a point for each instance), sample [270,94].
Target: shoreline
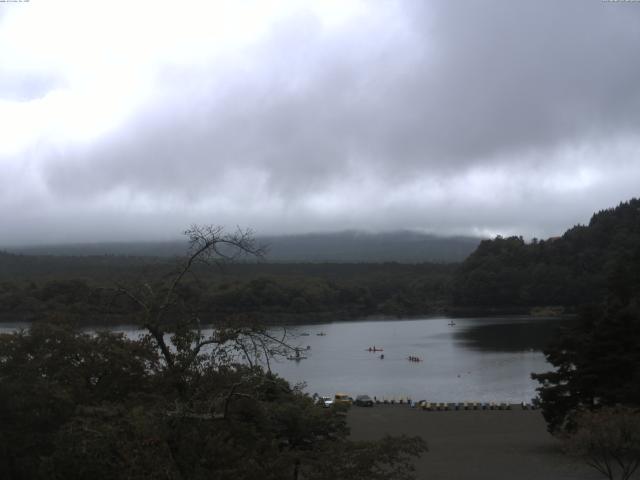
[284,320]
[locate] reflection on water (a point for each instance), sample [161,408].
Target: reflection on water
[511,335]
[484,359]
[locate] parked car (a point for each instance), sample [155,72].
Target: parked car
[325,401]
[342,398]
[364,401]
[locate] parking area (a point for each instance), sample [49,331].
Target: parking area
[474,444]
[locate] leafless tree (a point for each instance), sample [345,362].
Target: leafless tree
[173,324]
[608,440]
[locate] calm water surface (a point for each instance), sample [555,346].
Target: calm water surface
[480,359]
[473,360]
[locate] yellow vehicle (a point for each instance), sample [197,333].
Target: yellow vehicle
[342,398]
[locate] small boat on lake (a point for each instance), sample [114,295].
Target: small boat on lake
[297,356]
[374,349]
[321,334]
[451,323]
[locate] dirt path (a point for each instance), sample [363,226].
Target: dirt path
[478,445]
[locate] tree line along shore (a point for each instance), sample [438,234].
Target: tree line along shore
[173,404]
[502,276]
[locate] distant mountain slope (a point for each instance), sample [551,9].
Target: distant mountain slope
[19,267]
[349,246]
[580,267]
[352,246]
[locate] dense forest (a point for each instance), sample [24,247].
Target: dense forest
[75,405]
[175,403]
[501,275]
[76,281]
[568,271]
[597,361]
[85,288]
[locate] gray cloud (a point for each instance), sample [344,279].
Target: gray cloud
[496,116]
[25,86]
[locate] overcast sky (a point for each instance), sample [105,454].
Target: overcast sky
[125,120]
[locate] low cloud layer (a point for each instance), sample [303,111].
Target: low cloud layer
[476,117]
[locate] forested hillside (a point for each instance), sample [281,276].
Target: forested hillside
[571,270]
[597,361]
[504,273]
[334,247]
[84,287]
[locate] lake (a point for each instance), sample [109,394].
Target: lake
[477,359]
